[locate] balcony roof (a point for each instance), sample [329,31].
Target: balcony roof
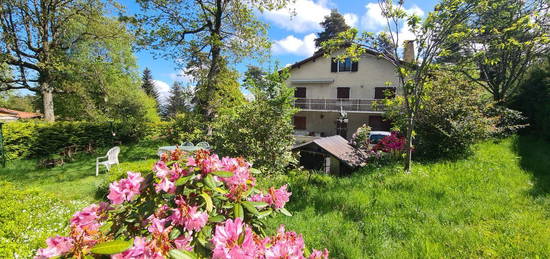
[313,81]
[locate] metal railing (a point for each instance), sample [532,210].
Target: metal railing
[358,105]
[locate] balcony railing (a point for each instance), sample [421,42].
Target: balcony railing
[353,105]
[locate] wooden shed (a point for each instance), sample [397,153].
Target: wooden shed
[330,154]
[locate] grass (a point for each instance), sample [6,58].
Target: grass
[493,204]
[75,180]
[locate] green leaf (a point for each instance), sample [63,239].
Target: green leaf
[223,173]
[184,180]
[209,181]
[220,190]
[175,233]
[258,204]
[112,247]
[215,219]
[106,227]
[265,213]
[250,207]
[182,254]
[286,212]
[238,211]
[208,201]
[255,171]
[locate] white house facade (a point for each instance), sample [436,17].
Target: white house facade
[335,98]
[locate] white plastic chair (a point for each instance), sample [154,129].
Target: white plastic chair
[112,159]
[203,145]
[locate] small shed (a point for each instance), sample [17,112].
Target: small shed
[330,154]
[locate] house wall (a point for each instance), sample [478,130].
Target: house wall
[372,72]
[326,122]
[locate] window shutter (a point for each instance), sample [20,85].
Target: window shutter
[354,66]
[342,92]
[333,65]
[300,92]
[299,123]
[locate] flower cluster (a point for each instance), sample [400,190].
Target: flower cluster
[200,204]
[391,143]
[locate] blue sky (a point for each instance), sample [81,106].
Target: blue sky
[292,37]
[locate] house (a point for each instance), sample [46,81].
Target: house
[335,98]
[7,115]
[329,154]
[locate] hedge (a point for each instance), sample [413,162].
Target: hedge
[39,139]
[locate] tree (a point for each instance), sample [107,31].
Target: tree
[148,85]
[430,41]
[185,29]
[504,37]
[36,35]
[332,25]
[179,100]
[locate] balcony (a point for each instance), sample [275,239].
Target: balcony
[336,105]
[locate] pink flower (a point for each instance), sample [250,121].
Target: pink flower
[125,189]
[57,246]
[285,245]
[161,169]
[316,254]
[157,226]
[260,197]
[279,197]
[184,242]
[191,161]
[211,164]
[140,250]
[226,240]
[165,185]
[87,218]
[195,220]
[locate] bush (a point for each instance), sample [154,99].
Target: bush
[360,138]
[27,217]
[197,206]
[452,117]
[40,139]
[118,172]
[185,127]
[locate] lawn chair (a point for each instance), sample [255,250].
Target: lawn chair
[187,144]
[203,145]
[112,159]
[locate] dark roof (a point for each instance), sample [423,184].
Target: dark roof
[20,114]
[339,148]
[320,53]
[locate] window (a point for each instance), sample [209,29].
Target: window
[300,92]
[342,92]
[382,92]
[344,66]
[299,123]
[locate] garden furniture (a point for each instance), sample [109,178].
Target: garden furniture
[112,159]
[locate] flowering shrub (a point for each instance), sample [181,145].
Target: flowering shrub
[189,207]
[360,138]
[389,148]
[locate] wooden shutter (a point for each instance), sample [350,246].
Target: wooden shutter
[300,92]
[354,66]
[299,123]
[342,92]
[333,65]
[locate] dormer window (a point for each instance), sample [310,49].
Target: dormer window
[346,65]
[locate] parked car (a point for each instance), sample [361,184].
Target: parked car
[376,136]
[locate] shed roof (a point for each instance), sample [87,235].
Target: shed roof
[339,148]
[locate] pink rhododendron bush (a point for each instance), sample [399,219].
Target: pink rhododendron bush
[196,206]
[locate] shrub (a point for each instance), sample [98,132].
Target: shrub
[508,121]
[191,206]
[185,127]
[39,139]
[360,138]
[452,118]
[27,217]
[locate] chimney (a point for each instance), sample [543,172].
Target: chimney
[408,51]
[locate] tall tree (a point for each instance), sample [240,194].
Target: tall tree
[35,37]
[504,38]
[332,25]
[179,100]
[184,29]
[148,85]
[430,35]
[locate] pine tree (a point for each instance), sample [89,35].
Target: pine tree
[148,85]
[333,24]
[179,100]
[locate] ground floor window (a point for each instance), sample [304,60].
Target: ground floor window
[379,123]
[299,122]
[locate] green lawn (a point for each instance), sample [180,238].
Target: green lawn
[75,180]
[494,204]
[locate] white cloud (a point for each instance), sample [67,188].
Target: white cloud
[163,89]
[304,16]
[293,45]
[351,19]
[181,76]
[374,21]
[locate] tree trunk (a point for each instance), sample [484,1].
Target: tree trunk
[212,76]
[47,100]
[407,164]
